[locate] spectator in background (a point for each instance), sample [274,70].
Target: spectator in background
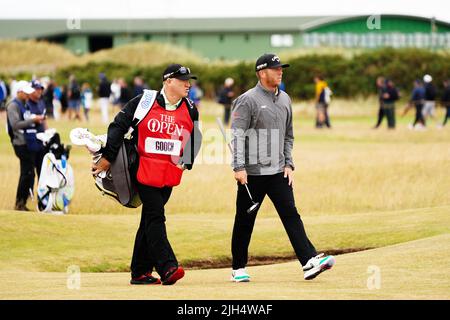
[13,85]
[125,94]
[104,93]
[282,86]
[139,86]
[380,82]
[19,120]
[64,100]
[446,102]
[195,93]
[36,106]
[389,96]
[430,97]
[225,97]
[417,100]
[86,99]
[48,97]
[115,92]
[74,98]
[322,102]
[3,96]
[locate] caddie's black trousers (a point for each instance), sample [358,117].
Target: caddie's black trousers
[282,196]
[151,247]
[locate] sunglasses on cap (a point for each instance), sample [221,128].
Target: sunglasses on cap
[181,71]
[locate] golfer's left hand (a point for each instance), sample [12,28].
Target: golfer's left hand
[288,173]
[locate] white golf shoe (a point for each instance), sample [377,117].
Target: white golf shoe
[240,275]
[316,265]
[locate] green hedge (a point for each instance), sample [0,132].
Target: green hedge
[347,77]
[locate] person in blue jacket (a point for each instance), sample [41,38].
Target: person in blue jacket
[36,105]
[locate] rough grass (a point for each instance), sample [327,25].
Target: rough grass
[349,169]
[33,56]
[144,54]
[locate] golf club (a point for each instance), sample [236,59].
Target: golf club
[254,205]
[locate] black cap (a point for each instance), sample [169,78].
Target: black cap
[177,71]
[36,84]
[269,61]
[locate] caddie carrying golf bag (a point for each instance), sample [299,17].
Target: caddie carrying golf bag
[56,182]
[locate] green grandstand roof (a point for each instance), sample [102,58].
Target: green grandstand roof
[47,28]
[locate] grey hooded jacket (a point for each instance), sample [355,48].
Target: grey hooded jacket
[262,133]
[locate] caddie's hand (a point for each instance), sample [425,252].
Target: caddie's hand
[288,173]
[241,176]
[100,165]
[38,118]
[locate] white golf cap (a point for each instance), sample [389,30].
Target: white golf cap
[427,78]
[229,81]
[25,87]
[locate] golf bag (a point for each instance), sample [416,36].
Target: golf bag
[56,182]
[118,182]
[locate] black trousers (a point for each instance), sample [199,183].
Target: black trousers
[38,158]
[388,111]
[380,116]
[151,247]
[282,196]
[226,113]
[447,115]
[419,115]
[26,179]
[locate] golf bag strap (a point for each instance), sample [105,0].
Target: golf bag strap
[144,106]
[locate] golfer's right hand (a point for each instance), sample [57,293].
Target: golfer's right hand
[100,165]
[241,176]
[38,119]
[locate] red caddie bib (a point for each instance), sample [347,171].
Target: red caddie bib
[162,136]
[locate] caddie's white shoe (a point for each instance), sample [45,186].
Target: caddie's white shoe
[240,275]
[316,265]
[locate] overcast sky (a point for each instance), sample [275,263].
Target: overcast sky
[439,9]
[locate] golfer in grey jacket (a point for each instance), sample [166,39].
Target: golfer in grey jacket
[262,142]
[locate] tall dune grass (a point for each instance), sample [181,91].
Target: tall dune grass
[31,56]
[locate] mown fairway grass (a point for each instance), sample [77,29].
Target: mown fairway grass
[396,272]
[98,243]
[355,188]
